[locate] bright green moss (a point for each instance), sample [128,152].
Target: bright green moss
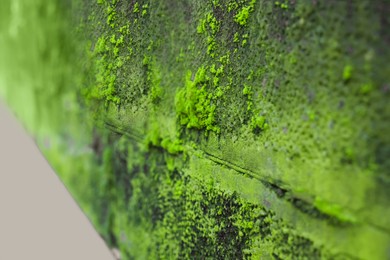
[208,23]
[242,16]
[101,46]
[145,9]
[258,123]
[194,106]
[209,26]
[281,5]
[347,72]
[236,37]
[201,26]
[124,30]
[233,5]
[334,210]
[136,8]
[172,146]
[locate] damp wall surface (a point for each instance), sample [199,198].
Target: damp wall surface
[218,129]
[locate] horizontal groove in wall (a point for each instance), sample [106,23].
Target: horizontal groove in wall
[321,228]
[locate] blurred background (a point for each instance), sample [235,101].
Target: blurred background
[40,71]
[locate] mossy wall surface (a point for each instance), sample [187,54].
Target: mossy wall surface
[226,129]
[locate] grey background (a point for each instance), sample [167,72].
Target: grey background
[38,217]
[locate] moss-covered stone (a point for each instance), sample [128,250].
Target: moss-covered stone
[229,129]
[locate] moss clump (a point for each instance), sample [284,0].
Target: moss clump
[156,139]
[194,106]
[209,22]
[347,72]
[243,15]
[281,5]
[136,8]
[258,123]
[209,26]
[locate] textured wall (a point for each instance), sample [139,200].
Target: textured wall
[233,129]
[263,126]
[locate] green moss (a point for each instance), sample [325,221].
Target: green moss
[366,88]
[236,37]
[136,8]
[334,210]
[233,5]
[209,26]
[154,138]
[243,15]
[154,80]
[104,88]
[173,147]
[208,23]
[190,215]
[347,72]
[282,5]
[101,46]
[258,123]
[251,195]
[145,9]
[194,106]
